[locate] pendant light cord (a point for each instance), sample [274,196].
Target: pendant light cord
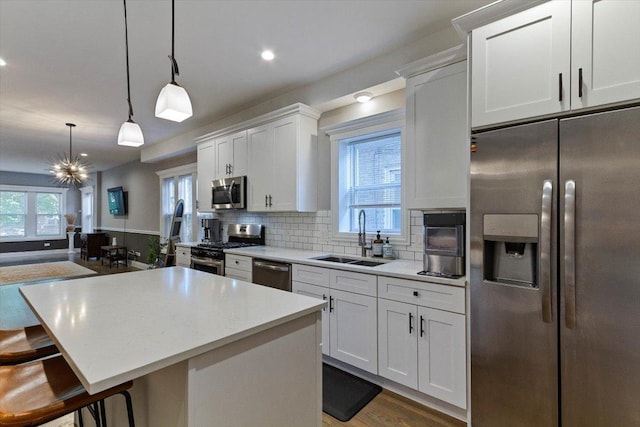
[71,126]
[172,57]
[126,43]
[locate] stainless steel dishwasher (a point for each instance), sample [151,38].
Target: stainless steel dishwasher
[273,274]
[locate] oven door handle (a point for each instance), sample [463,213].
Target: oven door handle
[206,261]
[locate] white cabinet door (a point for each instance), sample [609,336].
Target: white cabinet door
[437,148]
[353,325]
[240,161]
[206,168]
[441,355]
[260,147]
[518,63]
[231,155]
[224,156]
[397,342]
[322,293]
[284,188]
[605,49]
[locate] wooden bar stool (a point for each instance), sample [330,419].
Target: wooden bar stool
[40,391]
[24,344]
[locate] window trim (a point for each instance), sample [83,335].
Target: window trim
[191,168]
[371,124]
[31,214]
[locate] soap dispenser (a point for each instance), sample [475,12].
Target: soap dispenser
[387,249]
[377,246]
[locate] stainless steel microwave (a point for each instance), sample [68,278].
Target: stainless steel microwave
[229,193]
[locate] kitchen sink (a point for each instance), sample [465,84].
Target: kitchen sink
[367,263]
[347,260]
[339,259]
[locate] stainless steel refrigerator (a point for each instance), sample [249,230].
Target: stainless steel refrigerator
[555,273]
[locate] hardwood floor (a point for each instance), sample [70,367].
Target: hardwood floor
[390,409]
[386,409]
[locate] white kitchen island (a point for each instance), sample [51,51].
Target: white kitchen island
[203,349]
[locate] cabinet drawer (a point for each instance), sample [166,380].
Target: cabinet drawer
[238,262]
[441,297]
[312,275]
[183,256]
[234,273]
[359,283]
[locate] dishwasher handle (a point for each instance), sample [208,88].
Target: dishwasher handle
[269,266]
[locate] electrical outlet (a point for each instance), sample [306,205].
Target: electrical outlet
[47,244]
[137,253]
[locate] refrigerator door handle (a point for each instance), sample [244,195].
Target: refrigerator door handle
[569,253]
[545,250]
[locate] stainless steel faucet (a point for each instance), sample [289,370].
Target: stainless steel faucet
[362,233]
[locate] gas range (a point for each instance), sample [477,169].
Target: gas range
[209,256]
[225,245]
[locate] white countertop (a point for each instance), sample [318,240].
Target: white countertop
[118,327]
[404,269]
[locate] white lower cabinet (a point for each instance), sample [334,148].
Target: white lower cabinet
[238,267]
[353,329]
[349,323]
[322,293]
[423,347]
[183,256]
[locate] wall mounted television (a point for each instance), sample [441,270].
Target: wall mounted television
[117,199]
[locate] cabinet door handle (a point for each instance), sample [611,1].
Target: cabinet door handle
[330,304]
[237,262]
[230,168]
[269,200]
[416,294]
[560,87]
[579,82]
[410,323]
[266,200]
[421,326]
[324,298]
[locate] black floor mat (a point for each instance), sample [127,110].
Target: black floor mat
[343,394]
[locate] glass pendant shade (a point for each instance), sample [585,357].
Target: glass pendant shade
[173,103]
[130,134]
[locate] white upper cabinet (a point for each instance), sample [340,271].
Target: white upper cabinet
[283,163]
[557,56]
[605,50]
[436,147]
[521,64]
[206,173]
[231,155]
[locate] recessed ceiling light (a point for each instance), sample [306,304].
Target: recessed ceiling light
[2,62]
[84,154]
[363,97]
[267,55]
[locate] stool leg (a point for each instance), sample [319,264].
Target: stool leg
[80,421]
[103,413]
[127,398]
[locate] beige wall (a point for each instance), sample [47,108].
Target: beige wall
[142,184]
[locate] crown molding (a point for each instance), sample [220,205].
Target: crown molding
[297,108]
[492,12]
[432,62]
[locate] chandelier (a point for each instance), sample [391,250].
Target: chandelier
[72,170]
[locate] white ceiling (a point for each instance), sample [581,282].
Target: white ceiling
[66,62]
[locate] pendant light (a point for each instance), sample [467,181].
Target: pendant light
[130,133]
[72,170]
[173,102]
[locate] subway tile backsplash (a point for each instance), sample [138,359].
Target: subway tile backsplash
[312,231]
